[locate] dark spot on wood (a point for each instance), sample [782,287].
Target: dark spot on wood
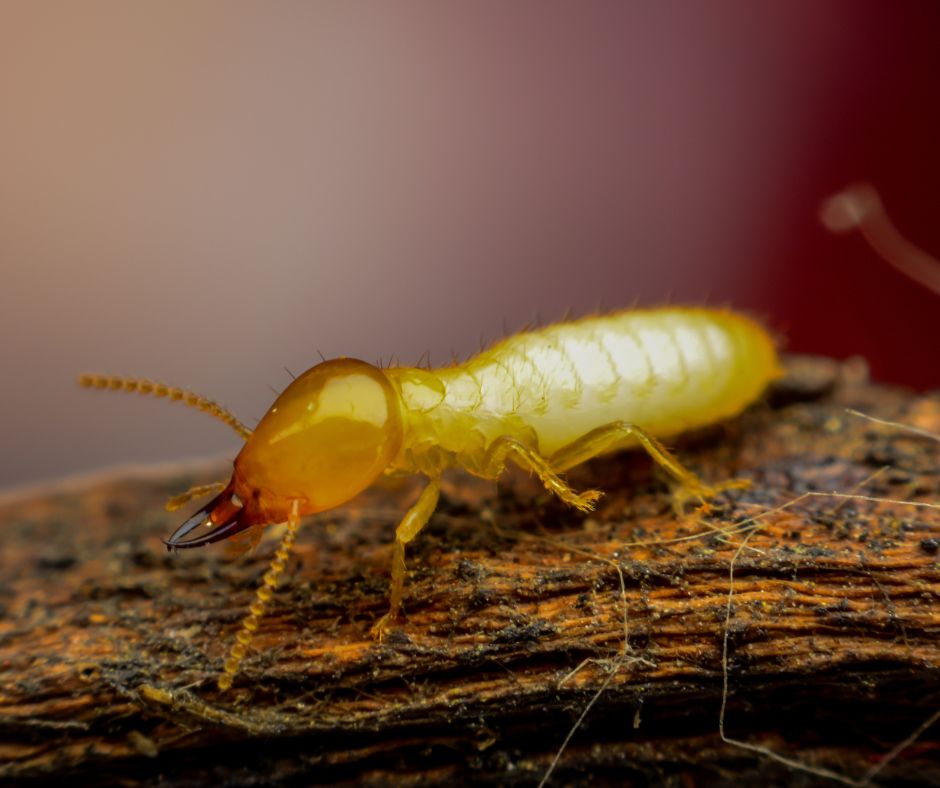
[481,598]
[56,560]
[468,570]
[530,632]
[931,545]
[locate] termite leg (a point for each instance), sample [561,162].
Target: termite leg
[604,438]
[526,457]
[263,596]
[412,523]
[199,491]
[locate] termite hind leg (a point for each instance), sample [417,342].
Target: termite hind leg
[607,437]
[199,491]
[412,523]
[526,457]
[262,597]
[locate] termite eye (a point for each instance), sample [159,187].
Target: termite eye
[328,436]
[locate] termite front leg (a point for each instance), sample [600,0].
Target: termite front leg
[605,438]
[412,523]
[525,457]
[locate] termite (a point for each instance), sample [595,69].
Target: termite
[547,400]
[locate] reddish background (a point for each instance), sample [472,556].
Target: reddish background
[831,294]
[208,192]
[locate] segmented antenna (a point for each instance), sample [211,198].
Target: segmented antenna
[144,386]
[262,597]
[858,207]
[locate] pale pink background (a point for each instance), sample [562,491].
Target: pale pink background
[207,192]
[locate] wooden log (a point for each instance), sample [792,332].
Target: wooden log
[521,614]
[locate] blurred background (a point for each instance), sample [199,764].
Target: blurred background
[207,193]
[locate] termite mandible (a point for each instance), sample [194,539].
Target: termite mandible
[547,400]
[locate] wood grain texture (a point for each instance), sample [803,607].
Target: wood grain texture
[109,645]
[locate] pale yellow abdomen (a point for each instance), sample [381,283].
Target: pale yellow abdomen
[666,370]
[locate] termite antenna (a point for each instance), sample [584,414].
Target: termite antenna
[265,591]
[858,207]
[144,386]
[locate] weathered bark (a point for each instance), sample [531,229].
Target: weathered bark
[109,646]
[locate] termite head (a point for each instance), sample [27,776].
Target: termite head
[325,439]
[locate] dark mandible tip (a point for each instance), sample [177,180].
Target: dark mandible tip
[222,514]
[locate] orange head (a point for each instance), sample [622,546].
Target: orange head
[325,439]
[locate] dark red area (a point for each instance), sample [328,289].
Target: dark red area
[832,294]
